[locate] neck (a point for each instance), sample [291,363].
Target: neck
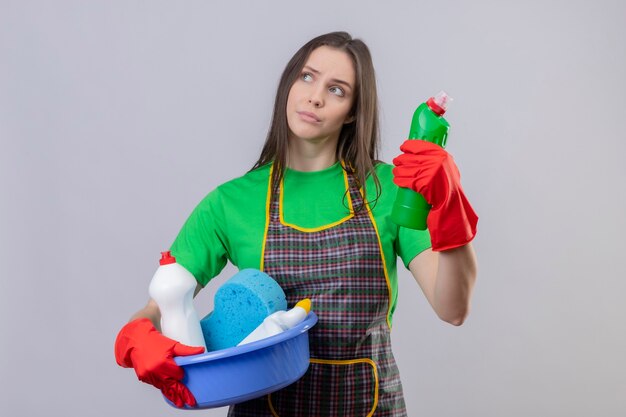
[311,155]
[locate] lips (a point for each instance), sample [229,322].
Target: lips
[308,116]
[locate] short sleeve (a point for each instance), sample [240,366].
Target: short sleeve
[199,246]
[411,243]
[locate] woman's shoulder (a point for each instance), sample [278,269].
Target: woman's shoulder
[384,173]
[247,188]
[255,178]
[383,168]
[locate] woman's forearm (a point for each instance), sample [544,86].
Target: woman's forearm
[456,275]
[151,312]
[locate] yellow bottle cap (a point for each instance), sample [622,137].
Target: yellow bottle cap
[305,304]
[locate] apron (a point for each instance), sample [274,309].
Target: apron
[340,267]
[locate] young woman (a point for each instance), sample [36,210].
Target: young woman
[314,213]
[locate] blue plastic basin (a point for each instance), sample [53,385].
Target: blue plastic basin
[241,373]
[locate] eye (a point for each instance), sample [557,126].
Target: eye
[306,77]
[337,91]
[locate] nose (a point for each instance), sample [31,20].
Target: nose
[316,98]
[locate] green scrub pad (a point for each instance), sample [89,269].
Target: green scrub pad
[241,304]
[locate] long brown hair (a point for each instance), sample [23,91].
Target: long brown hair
[359,140]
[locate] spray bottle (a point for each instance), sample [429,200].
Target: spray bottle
[172,287]
[279,321]
[410,208]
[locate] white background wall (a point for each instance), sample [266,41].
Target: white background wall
[117,117]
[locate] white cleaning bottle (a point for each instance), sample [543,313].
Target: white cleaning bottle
[172,288]
[279,321]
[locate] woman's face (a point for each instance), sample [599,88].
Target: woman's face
[320,100]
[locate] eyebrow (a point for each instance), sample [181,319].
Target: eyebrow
[335,80]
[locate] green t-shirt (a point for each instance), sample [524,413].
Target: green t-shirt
[229,223]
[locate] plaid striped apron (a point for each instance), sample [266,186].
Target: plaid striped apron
[340,267]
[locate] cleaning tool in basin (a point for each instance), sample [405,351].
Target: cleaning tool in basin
[172,288]
[279,322]
[240,306]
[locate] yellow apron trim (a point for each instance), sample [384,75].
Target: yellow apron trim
[323,227]
[269,402]
[309,230]
[382,257]
[341,362]
[267,216]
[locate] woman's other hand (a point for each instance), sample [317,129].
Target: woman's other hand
[141,346]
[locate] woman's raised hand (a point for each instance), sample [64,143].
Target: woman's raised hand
[429,170]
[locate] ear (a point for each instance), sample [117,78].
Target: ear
[349,119]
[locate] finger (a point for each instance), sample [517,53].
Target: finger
[171,393]
[184,350]
[420,146]
[403,182]
[408,183]
[404,171]
[164,368]
[402,159]
[187,396]
[407,159]
[411,172]
[180,395]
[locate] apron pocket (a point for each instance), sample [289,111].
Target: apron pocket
[330,388]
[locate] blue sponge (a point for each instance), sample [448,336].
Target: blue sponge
[241,304]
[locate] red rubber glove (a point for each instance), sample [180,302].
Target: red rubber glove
[142,347]
[429,170]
